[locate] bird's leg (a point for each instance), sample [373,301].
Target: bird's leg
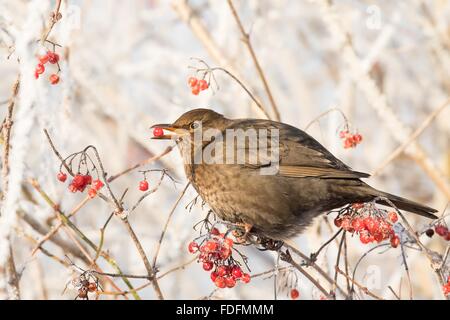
[247,229]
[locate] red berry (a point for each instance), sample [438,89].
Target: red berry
[357,224]
[236,272]
[245,278]
[338,222]
[62,177]
[343,134]
[294,294]
[214,276]
[54,78]
[229,242]
[393,216]
[193,247]
[208,265]
[447,237]
[195,90]
[53,57]
[395,241]
[143,185]
[36,74]
[192,81]
[78,181]
[203,85]
[40,68]
[214,256]
[220,282]
[72,188]
[87,179]
[348,143]
[222,271]
[92,287]
[371,224]
[211,246]
[230,282]
[357,138]
[225,252]
[347,224]
[364,237]
[215,231]
[158,132]
[378,236]
[43,59]
[446,289]
[92,193]
[98,184]
[441,230]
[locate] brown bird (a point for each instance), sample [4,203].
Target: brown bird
[302,179]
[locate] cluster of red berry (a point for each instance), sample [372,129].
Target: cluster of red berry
[446,287]
[197,85]
[370,228]
[215,253]
[80,182]
[350,140]
[51,57]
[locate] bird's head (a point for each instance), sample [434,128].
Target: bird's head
[189,122]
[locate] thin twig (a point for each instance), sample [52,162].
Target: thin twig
[56,15]
[140,164]
[393,292]
[11,274]
[323,114]
[400,149]
[316,254]
[169,217]
[66,221]
[246,40]
[338,259]
[288,258]
[56,228]
[150,271]
[311,263]
[364,289]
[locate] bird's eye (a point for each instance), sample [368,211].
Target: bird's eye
[195,125]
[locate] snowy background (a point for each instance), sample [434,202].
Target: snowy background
[124,67]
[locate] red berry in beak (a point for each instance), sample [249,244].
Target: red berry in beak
[158,132]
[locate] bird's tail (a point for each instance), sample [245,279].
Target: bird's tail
[403,204]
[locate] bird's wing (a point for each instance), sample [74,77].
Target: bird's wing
[299,155]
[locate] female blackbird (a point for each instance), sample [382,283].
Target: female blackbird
[268,176]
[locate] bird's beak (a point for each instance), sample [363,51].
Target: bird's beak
[169,131]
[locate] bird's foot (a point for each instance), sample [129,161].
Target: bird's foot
[242,232]
[270,244]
